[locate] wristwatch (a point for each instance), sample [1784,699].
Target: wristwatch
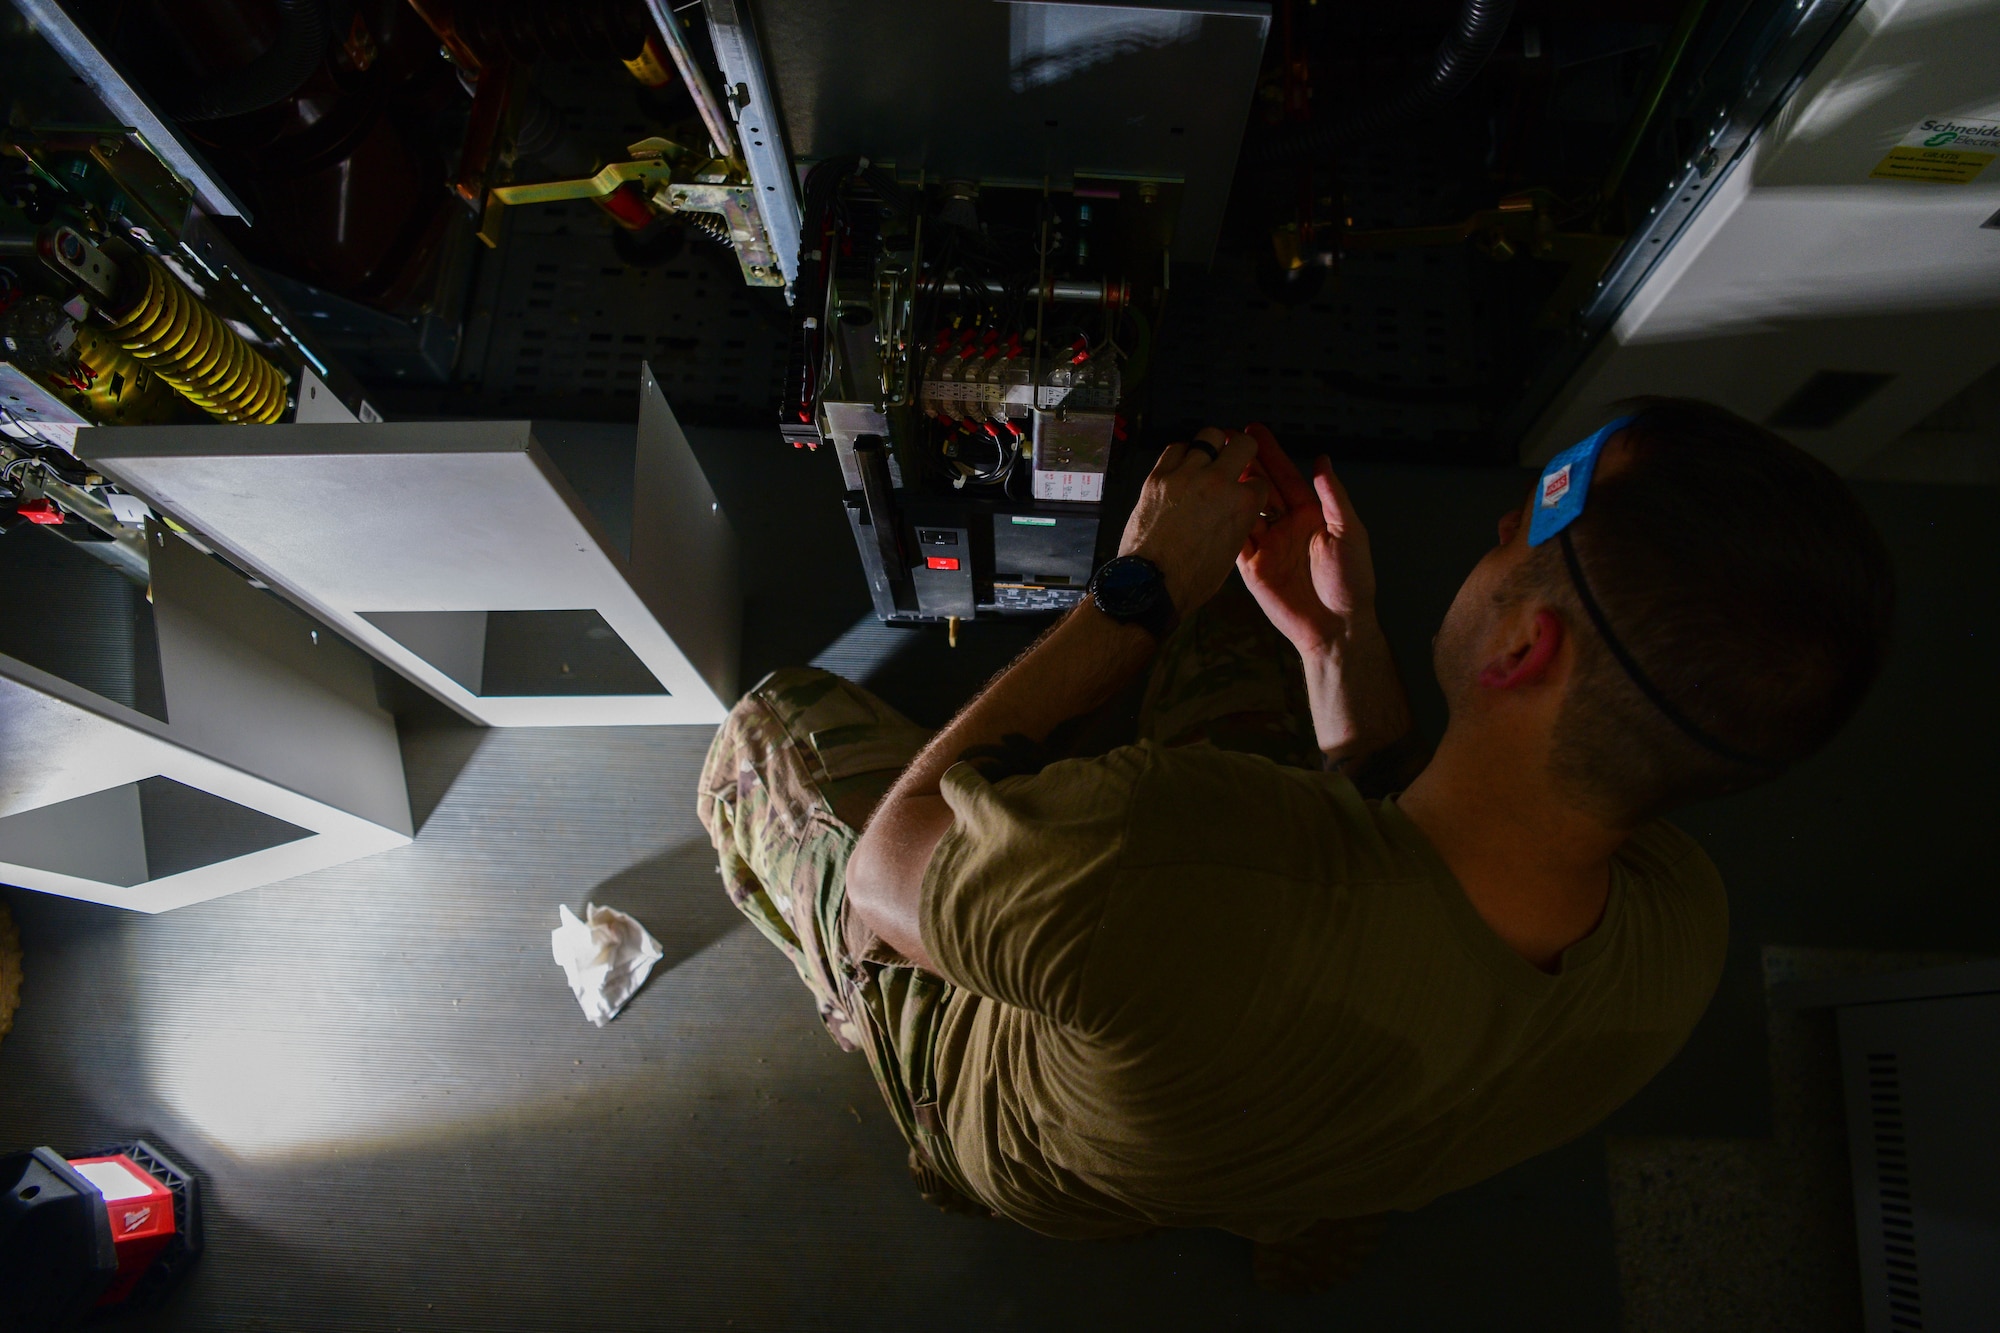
[1132,591]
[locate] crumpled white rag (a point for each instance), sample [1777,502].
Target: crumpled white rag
[606,959]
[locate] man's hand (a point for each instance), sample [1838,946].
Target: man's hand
[1195,514]
[1307,563]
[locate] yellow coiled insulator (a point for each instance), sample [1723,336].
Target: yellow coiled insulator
[184,343]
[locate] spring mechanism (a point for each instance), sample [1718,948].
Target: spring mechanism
[711,225]
[184,343]
[116,388]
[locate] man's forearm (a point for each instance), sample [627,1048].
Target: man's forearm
[1078,665]
[1358,702]
[1082,661]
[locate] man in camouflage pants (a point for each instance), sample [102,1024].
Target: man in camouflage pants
[795,771]
[1212,979]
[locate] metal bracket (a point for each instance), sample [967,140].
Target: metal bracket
[737,203]
[660,170]
[763,141]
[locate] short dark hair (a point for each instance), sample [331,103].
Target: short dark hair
[1746,584]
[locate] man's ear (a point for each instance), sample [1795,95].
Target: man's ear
[1528,657]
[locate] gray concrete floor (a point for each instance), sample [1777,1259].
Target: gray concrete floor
[407,1124]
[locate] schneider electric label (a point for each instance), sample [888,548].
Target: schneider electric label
[1942,149]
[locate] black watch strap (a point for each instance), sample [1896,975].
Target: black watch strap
[1159,620]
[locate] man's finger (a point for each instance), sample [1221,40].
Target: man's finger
[1238,451]
[1170,458]
[1261,496]
[1215,440]
[1293,490]
[1335,507]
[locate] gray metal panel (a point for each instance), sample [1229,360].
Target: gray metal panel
[944,592]
[28,401]
[61,743]
[238,703]
[1923,1095]
[452,641]
[1019,92]
[684,560]
[101,836]
[350,520]
[254,684]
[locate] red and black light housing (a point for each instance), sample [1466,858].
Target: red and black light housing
[119,1227]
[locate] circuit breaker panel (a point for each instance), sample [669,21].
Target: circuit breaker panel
[974,355]
[984,263]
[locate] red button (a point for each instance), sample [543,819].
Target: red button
[48,516]
[942,561]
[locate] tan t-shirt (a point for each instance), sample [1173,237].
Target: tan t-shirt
[1199,989]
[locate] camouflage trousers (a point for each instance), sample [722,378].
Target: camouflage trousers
[802,760]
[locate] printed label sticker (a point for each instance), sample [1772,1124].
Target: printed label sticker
[1555,486]
[1942,149]
[1087,487]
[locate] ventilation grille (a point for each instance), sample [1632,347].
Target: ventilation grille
[1892,1185]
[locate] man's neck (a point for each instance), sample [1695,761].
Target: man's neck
[1535,868]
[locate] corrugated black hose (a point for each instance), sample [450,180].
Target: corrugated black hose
[1464,53]
[304,28]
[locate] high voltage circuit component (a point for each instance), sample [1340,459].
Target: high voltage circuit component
[189,347]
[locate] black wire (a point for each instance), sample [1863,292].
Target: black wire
[995,276]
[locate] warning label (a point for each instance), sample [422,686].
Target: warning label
[1942,149]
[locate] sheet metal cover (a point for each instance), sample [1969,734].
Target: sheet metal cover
[1004,91]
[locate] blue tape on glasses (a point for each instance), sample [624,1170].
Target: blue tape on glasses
[1565,483]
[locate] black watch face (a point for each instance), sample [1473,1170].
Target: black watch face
[1128,587]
